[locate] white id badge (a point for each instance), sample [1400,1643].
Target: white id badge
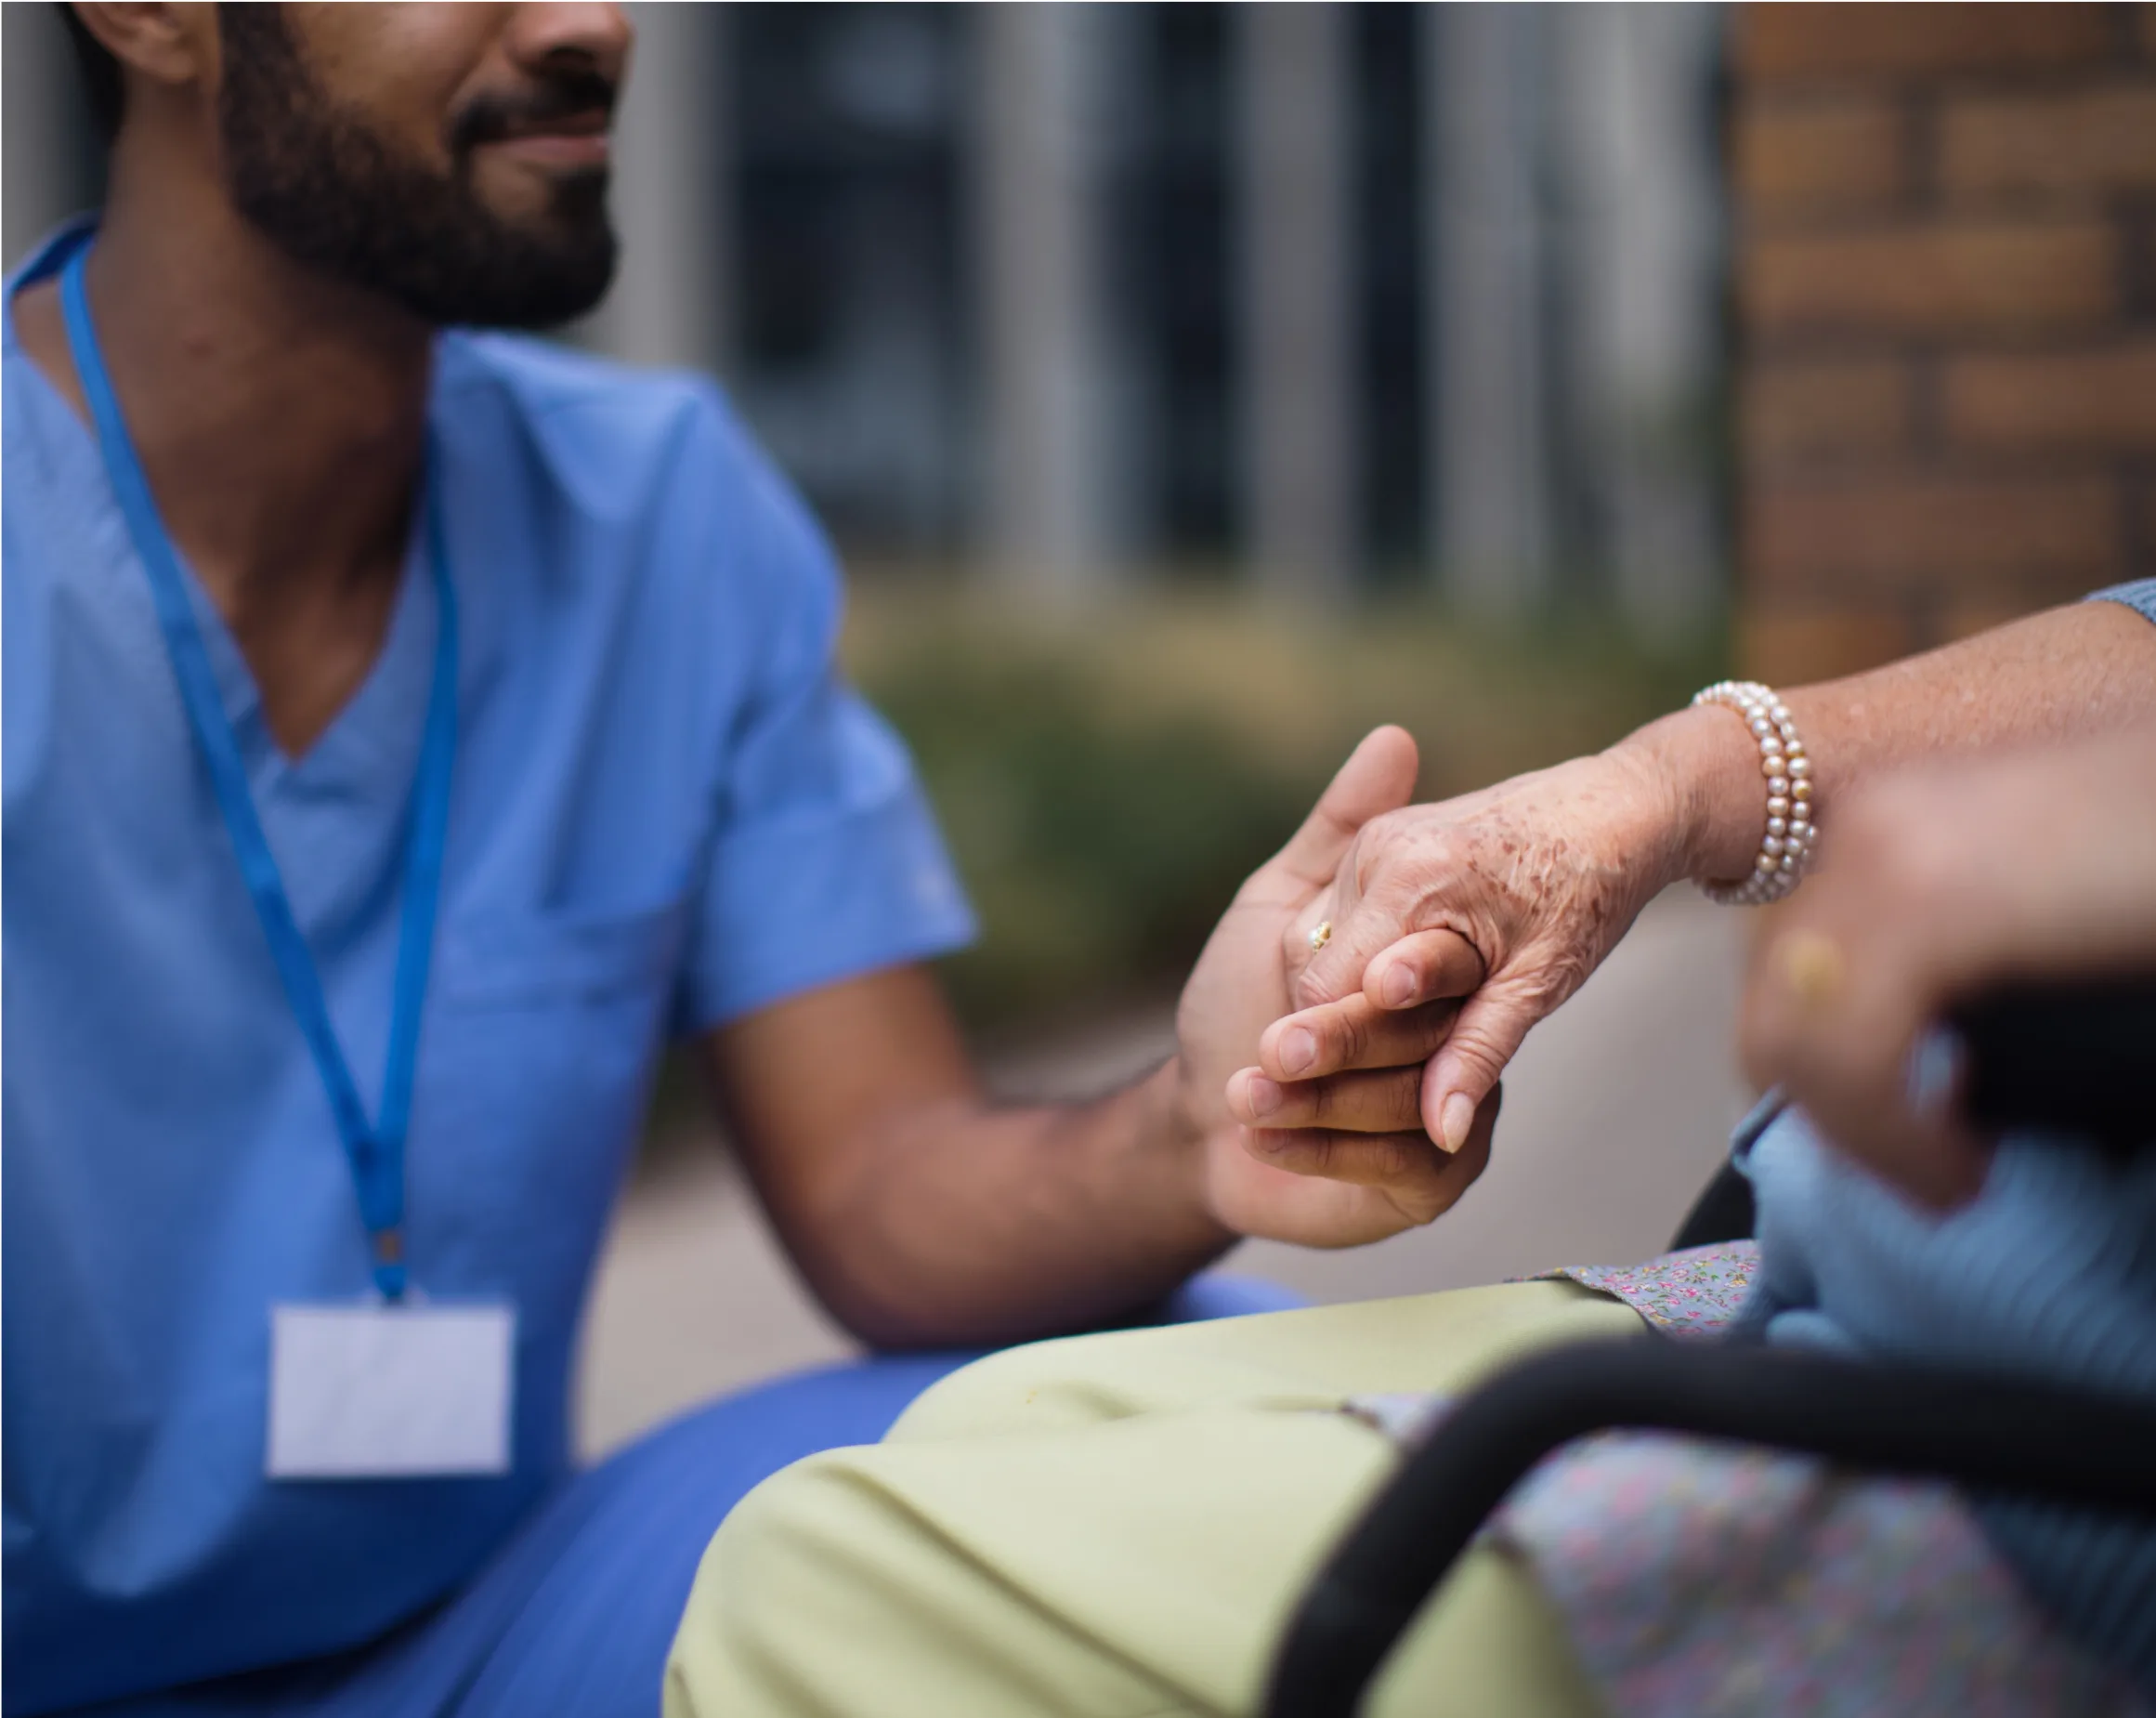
[381,1391]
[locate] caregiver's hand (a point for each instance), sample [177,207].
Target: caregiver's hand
[1933,887]
[1346,1161]
[1514,894]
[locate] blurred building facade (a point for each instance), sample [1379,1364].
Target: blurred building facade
[1325,298]
[1947,259]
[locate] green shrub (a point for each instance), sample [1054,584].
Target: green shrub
[1098,853]
[1106,780]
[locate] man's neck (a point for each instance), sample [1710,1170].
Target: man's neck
[279,417]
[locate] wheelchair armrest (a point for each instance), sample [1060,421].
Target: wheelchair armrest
[1724,1211]
[2041,1441]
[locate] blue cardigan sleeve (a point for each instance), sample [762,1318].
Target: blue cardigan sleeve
[2138,594]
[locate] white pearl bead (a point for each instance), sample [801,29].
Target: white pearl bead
[1786,846]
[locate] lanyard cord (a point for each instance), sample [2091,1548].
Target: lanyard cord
[375,1151]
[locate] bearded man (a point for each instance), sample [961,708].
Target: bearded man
[407,730]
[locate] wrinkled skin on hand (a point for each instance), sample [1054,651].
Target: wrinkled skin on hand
[1541,876]
[1373,1172]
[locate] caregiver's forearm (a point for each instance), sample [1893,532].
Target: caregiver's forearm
[923,1214]
[2085,669]
[974,1223]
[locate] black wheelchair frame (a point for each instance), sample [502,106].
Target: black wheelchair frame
[2084,1059]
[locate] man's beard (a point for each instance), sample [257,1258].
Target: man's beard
[334,195]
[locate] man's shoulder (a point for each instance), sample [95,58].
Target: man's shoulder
[616,442]
[603,430]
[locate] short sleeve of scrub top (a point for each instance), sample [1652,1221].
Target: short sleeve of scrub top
[667,810]
[824,851]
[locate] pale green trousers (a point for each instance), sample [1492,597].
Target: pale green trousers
[1120,1524]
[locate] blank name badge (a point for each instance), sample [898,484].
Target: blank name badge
[381,1391]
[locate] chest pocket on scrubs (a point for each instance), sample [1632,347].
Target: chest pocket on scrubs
[534,960]
[540,1039]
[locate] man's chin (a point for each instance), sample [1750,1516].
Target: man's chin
[556,289]
[550,265]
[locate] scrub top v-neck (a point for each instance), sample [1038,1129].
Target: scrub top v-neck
[667,811]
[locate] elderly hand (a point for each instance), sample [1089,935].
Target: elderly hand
[1339,1160]
[1527,885]
[1934,887]
[1508,898]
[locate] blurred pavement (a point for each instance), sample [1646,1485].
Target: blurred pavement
[1616,1112]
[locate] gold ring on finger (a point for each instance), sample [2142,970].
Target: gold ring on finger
[1812,967]
[1320,933]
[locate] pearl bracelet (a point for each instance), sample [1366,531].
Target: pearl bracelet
[1791,835]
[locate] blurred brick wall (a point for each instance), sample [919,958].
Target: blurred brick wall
[1947,291]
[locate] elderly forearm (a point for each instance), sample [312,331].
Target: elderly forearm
[2085,669]
[1542,874]
[975,1223]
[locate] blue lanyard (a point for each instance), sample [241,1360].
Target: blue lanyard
[376,1150]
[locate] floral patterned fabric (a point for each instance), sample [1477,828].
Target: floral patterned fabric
[1696,1292]
[1696,1577]
[1700,1577]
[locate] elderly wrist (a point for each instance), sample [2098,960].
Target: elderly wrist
[1788,836]
[1706,771]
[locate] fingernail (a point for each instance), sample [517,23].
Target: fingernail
[1398,987]
[1457,1118]
[1298,1048]
[1934,1074]
[1263,1096]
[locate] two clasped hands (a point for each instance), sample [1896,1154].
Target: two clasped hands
[1413,947]
[1407,950]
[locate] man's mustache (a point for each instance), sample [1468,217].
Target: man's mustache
[493,116]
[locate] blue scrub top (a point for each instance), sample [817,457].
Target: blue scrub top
[668,811]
